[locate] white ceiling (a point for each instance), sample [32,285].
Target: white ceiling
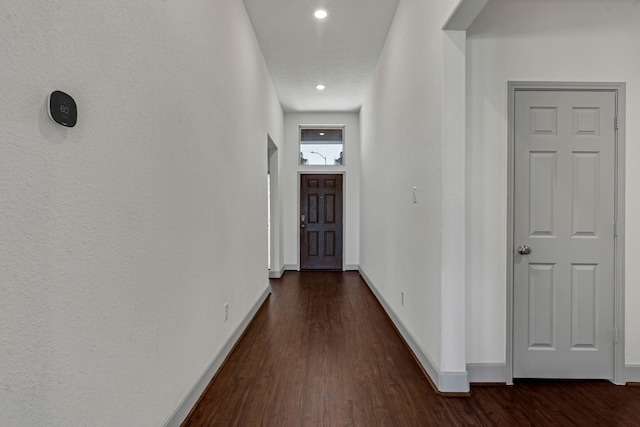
[340,52]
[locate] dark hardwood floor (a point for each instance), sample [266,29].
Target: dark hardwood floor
[322,352]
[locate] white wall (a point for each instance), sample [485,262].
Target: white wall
[123,237]
[291,186]
[562,40]
[401,124]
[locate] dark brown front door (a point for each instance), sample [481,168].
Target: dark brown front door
[321,222]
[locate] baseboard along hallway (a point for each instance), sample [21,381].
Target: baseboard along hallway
[321,351]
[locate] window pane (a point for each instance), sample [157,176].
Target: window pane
[321,147]
[321,154]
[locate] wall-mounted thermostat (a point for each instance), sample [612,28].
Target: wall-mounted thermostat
[62,109]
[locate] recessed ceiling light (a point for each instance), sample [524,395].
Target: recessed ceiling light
[320,87]
[320,13]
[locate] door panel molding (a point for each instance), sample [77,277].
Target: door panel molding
[583,124]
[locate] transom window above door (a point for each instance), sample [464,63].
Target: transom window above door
[321,146]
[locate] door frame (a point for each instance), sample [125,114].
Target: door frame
[619,89]
[344,210]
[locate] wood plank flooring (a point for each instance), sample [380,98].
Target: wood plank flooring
[322,352]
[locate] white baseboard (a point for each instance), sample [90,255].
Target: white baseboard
[445,382]
[294,267]
[180,413]
[632,373]
[276,274]
[496,373]
[487,372]
[453,382]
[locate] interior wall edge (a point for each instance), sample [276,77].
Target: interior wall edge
[444,382]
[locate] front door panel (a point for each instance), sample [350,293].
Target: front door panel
[321,222]
[564,215]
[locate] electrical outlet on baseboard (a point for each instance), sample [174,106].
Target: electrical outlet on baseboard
[226,311]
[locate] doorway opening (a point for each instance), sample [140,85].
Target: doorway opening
[269,220]
[274,259]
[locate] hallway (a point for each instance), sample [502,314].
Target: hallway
[322,352]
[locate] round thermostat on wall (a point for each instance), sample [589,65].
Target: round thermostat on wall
[62,109]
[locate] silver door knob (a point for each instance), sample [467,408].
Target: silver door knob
[524,250]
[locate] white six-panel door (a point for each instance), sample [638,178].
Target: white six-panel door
[564,198]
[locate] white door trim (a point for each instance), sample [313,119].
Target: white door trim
[619,89]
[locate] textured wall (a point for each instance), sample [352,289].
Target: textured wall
[540,41]
[122,238]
